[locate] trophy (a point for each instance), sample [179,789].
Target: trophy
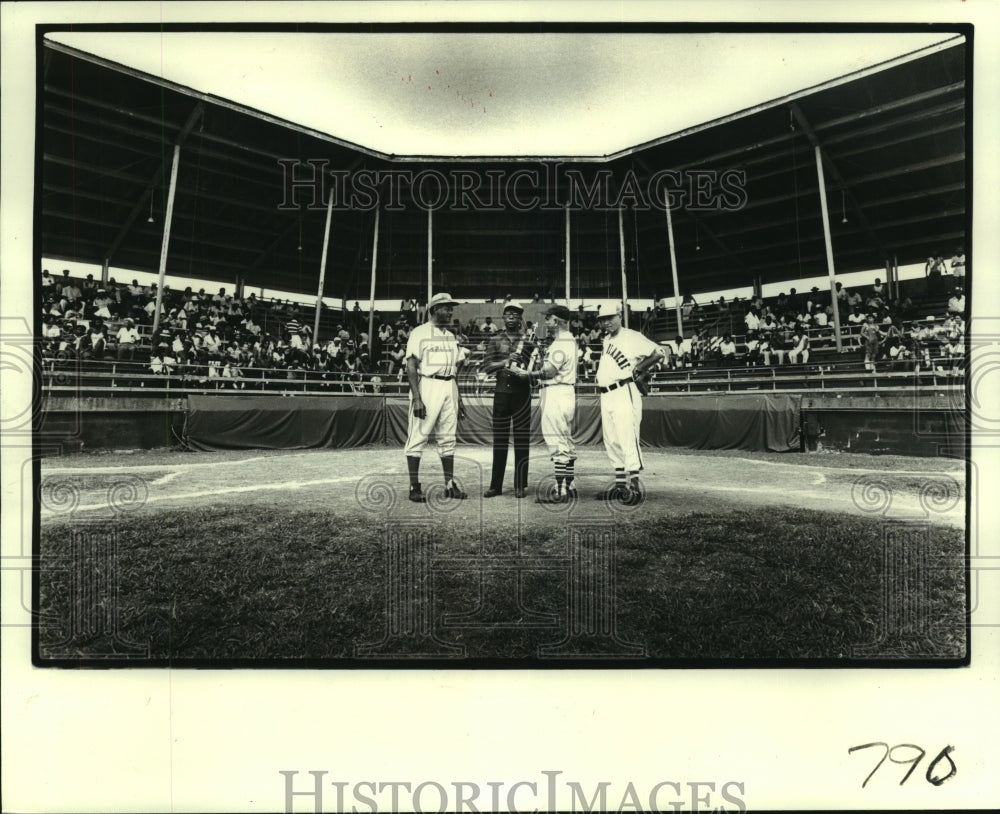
[516,367]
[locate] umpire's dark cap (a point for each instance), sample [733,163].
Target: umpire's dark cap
[560,311]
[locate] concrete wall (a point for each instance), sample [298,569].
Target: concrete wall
[79,424]
[898,425]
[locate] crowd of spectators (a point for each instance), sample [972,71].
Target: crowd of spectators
[228,338]
[788,328]
[205,336]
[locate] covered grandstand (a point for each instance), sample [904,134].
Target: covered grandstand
[123,153]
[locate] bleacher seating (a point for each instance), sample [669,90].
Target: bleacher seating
[826,369]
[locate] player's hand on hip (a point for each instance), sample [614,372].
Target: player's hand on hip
[418,409]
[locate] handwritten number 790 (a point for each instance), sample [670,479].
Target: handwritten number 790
[916,755]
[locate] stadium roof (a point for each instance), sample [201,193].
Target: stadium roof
[887,111]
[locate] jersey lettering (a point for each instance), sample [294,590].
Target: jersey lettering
[620,358]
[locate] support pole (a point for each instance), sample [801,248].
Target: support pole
[673,272]
[166,237]
[621,247]
[371,293]
[430,254]
[829,248]
[322,269]
[567,256]
[104,271]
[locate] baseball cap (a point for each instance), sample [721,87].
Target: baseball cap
[513,305]
[605,314]
[560,311]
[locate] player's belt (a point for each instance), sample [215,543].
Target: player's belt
[556,384]
[616,385]
[437,376]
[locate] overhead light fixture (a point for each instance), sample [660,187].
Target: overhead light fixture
[697,241]
[843,207]
[150,218]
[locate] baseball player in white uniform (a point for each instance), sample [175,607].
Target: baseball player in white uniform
[626,356]
[557,381]
[433,358]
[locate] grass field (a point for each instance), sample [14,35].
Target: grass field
[255,558]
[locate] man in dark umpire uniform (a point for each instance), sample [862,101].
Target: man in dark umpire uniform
[508,353]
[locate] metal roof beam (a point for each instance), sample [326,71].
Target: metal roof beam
[193,118]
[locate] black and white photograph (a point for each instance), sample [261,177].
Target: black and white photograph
[596,377]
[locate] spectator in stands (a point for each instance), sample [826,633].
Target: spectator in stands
[956,304]
[488,327]
[823,317]
[958,265]
[889,331]
[232,372]
[51,332]
[70,290]
[897,353]
[180,344]
[800,346]
[794,301]
[688,304]
[954,353]
[48,281]
[753,349]
[934,270]
[726,351]
[841,293]
[871,341]
[213,343]
[397,357]
[162,362]
[249,326]
[877,296]
[752,319]
[770,347]
[127,339]
[812,300]
[101,304]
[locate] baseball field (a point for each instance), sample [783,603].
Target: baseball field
[316,558]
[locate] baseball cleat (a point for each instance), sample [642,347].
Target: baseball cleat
[416,495]
[615,492]
[520,493]
[452,491]
[491,492]
[633,497]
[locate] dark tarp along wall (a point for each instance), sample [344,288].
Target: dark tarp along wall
[754,422]
[757,422]
[275,422]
